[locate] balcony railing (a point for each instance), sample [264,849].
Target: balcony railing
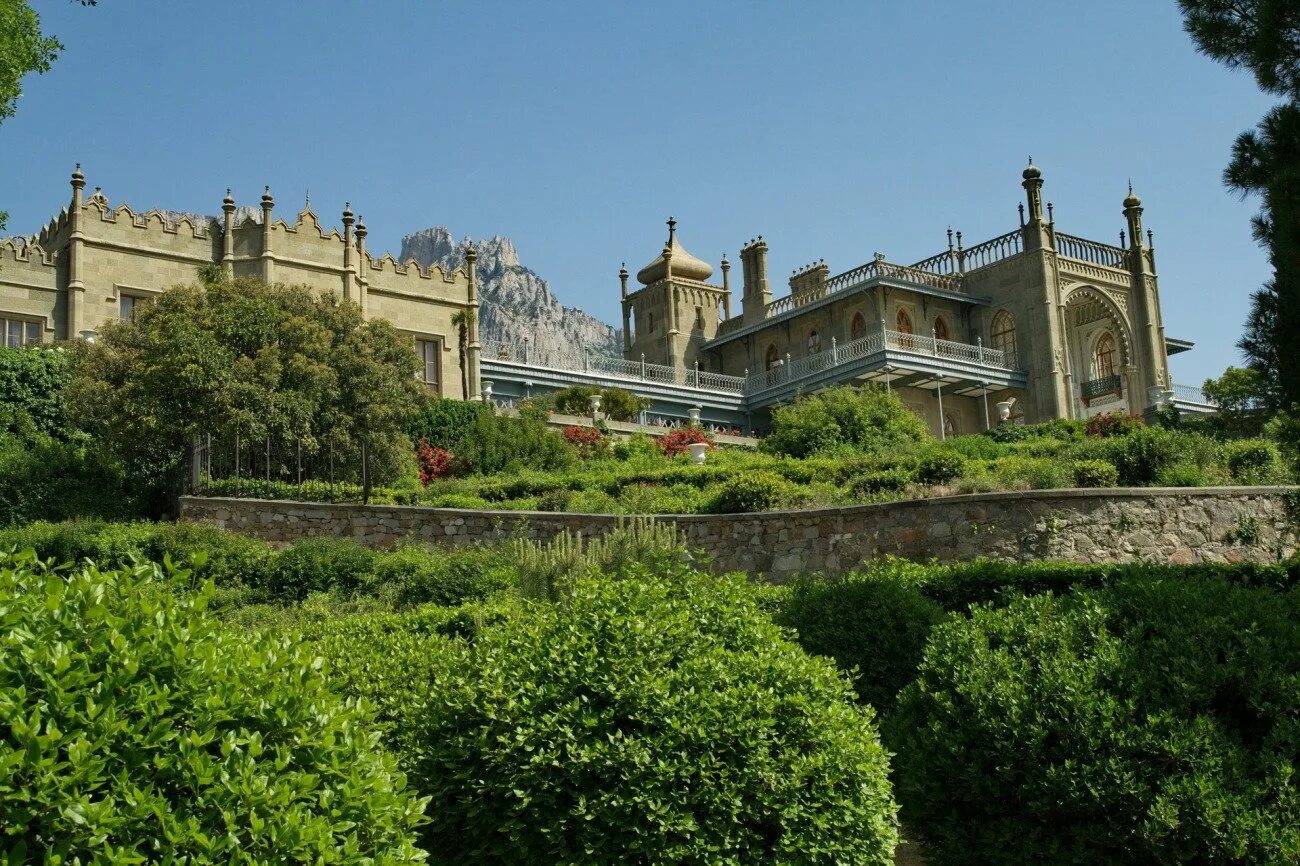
[1191,394]
[591,362]
[1090,251]
[1094,388]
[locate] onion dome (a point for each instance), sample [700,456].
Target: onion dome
[685,265]
[1031,173]
[1132,200]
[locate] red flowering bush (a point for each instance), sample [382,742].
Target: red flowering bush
[675,442]
[589,441]
[1112,424]
[434,462]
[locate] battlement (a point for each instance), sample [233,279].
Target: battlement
[29,250]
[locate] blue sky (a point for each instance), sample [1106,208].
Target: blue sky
[834,129]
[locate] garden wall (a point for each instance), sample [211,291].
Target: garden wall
[1173,525]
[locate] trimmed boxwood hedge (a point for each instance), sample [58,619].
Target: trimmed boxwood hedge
[133,728]
[1153,721]
[655,717]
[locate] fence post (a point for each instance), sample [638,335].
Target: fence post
[787,366]
[934,341]
[643,365]
[697,374]
[979,342]
[835,352]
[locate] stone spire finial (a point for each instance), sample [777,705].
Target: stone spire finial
[267,201]
[347,213]
[949,238]
[1132,200]
[361,228]
[622,270]
[228,203]
[78,179]
[726,265]
[672,228]
[471,254]
[306,204]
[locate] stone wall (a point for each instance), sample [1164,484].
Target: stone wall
[1165,525]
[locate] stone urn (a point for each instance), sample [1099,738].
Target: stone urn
[1004,411]
[698,451]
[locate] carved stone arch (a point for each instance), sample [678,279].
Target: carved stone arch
[1123,331]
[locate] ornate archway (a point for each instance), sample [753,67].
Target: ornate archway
[1100,346]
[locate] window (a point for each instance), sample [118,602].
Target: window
[430,352]
[19,332]
[941,329]
[858,327]
[904,321]
[814,342]
[699,318]
[772,358]
[1003,332]
[1104,356]
[649,323]
[129,306]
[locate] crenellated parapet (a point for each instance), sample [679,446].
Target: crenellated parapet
[26,250]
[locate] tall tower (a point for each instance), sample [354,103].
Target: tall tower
[675,310]
[1148,329]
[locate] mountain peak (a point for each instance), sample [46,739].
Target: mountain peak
[515,302]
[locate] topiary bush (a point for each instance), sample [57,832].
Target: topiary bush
[1095,473]
[657,717]
[413,575]
[874,625]
[1149,722]
[137,729]
[320,565]
[752,491]
[939,466]
[1252,460]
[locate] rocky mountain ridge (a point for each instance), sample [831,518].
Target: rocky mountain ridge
[514,301]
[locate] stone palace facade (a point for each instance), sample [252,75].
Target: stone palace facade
[1032,325]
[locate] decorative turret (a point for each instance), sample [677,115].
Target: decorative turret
[755,295]
[684,265]
[1133,213]
[228,234]
[1033,184]
[76,288]
[472,355]
[268,256]
[349,253]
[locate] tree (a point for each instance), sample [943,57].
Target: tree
[1239,393]
[463,320]
[240,358]
[1263,36]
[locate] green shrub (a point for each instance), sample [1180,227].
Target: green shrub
[42,478]
[442,421]
[320,565]
[1060,428]
[874,625]
[939,466]
[1110,424]
[870,484]
[751,491]
[1183,475]
[1251,460]
[1095,473]
[137,729]
[32,380]
[615,403]
[639,446]
[1039,473]
[865,418]
[1151,722]
[659,717]
[1140,455]
[412,575]
[548,570]
[495,444]
[228,558]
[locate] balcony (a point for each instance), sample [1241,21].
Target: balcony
[1106,386]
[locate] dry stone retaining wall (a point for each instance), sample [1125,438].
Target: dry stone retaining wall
[1164,525]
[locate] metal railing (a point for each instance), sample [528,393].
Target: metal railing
[792,370]
[1191,394]
[1100,387]
[1090,251]
[591,362]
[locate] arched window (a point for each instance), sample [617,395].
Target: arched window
[858,327]
[941,328]
[814,342]
[1003,332]
[904,321]
[649,322]
[1104,356]
[772,358]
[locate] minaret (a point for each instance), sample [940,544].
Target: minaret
[228,235]
[268,256]
[1041,310]
[726,287]
[472,355]
[1149,331]
[363,282]
[349,262]
[76,243]
[627,311]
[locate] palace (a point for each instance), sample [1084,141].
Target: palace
[1032,325]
